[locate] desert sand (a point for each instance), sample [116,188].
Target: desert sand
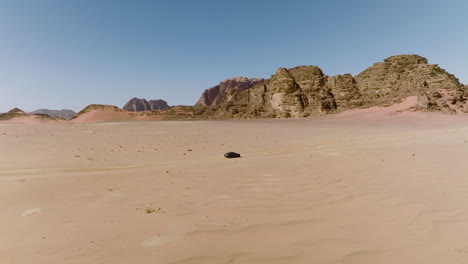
[376,186]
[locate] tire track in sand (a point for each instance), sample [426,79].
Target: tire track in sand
[49,172]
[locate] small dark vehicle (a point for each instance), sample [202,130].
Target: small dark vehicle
[231,155]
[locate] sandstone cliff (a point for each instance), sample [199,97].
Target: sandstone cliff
[403,75]
[306,90]
[220,93]
[138,105]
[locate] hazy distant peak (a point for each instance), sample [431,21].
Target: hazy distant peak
[63,113]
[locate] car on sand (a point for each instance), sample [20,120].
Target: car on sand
[231,155]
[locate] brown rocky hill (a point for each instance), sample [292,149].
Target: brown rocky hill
[400,76]
[18,113]
[97,107]
[138,105]
[15,112]
[306,90]
[220,93]
[101,113]
[109,113]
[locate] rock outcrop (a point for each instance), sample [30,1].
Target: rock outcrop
[294,92]
[220,93]
[297,92]
[139,105]
[64,113]
[97,107]
[15,112]
[306,90]
[345,91]
[400,76]
[18,113]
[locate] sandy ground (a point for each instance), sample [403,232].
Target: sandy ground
[341,189]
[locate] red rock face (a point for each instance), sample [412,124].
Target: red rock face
[138,105]
[216,95]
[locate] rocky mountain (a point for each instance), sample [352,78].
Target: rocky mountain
[306,90]
[138,105]
[64,113]
[399,76]
[218,94]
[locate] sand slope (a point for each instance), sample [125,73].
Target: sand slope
[96,116]
[324,190]
[30,119]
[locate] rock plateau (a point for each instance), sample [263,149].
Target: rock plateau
[139,105]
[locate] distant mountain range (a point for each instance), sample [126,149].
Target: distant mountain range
[64,113]
[299,92]
[18,113]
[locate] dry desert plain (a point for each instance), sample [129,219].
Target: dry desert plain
[351,188]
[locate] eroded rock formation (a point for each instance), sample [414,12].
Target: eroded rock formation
[306,90]
[220,93]
[139,105]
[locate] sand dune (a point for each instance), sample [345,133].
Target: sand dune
[383,112]
[29,119]
[96,116]
[351,188]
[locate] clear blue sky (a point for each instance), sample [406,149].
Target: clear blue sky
[71,53]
